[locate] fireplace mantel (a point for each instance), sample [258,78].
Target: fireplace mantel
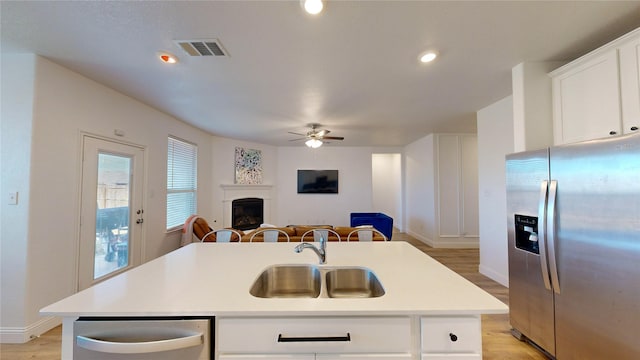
[239,191]
[226,187]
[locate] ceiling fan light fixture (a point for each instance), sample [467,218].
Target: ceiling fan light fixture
[313,143]
[313,7]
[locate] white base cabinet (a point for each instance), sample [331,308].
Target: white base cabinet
[451,338]
[325,338]
[350,338]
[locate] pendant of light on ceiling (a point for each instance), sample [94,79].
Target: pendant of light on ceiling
[313,7]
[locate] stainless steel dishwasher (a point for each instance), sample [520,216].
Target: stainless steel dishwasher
[142,338]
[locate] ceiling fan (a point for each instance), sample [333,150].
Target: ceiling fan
[316,136]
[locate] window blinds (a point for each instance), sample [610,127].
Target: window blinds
[181,181]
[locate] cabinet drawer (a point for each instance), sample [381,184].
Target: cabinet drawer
[313,335]
[451,335]
[451,357]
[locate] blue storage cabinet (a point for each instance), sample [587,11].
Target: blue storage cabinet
[380,221]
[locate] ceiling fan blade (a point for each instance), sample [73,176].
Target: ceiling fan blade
[298,139]
[295,133]
[332,138]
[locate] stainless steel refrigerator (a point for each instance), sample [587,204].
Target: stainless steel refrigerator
[574,248]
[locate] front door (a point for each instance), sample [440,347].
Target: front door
[111,214]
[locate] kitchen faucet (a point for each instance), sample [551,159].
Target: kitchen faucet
[321,252]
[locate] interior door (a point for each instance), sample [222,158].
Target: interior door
[111,215]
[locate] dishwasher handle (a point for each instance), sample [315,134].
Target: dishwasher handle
[145,347]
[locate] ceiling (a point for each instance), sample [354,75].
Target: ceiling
[354,68]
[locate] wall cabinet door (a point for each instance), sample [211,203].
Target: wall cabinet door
[598,95]
[586,101]
[630,85]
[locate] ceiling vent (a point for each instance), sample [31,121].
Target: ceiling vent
[202,47]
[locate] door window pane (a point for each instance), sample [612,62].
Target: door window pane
[112,214]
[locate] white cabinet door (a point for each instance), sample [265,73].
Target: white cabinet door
[630,85]
[449,186]
[451,335]
[339,335]
[586,100]
[363,356]
[268,357]
[457,189]
[451,357]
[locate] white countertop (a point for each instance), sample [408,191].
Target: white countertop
[213,279]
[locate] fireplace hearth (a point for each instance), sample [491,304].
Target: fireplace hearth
[247,213]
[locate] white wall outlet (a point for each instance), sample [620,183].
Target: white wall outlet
[13,198]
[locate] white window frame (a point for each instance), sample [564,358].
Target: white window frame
[182,181]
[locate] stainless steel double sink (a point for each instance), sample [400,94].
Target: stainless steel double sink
[311,281]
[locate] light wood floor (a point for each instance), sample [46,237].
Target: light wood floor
[497,342]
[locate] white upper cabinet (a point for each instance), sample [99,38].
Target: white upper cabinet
[598,95]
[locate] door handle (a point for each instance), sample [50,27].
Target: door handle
[551,218]
[145,347]
[314,338]
[542,233]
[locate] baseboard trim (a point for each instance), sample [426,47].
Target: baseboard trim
[21,335]
[494,275]
[425,240]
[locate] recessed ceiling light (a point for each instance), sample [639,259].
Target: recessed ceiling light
[313,7]
[428,56]
[167,58]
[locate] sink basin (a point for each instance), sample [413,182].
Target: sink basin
[353,283]
[288,281]
[309,281]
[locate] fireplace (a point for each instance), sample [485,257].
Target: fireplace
[247,213]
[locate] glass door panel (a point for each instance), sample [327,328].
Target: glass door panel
[112,214]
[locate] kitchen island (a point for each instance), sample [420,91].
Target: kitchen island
[427,310]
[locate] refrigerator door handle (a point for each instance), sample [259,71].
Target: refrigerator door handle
[542,233]
[551,235]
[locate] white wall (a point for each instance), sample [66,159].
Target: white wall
[18,73]
[355,186]
[495,140]
[532,105]
[387,186]
[419,189]
[65,104]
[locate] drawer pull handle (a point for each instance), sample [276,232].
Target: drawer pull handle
[453,337]
[313,338]
[634,128]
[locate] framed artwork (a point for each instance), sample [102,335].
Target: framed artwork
[248,166]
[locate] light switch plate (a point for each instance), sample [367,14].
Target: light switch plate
[13,198]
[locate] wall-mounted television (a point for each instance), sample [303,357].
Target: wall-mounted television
[317,181]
